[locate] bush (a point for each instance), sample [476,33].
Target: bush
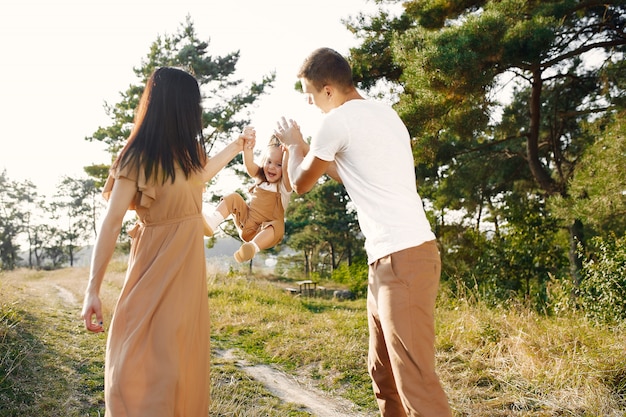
[354,276]
[602,291]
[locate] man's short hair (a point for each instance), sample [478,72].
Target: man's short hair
[326,66]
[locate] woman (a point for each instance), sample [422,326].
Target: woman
[157,356]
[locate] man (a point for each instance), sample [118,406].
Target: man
[365,145]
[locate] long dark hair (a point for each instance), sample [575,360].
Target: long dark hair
[168,127]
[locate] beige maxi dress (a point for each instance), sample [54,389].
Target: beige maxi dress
[157,356]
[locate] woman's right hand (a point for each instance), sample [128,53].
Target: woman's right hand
[250,143]
[248,136]
[92,313]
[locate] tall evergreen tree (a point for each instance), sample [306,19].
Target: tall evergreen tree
[560,63]
[75,201]
[226,98]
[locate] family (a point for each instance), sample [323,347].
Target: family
[157,354]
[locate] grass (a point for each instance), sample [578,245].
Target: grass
[314,338]
[47,367]
[234,393]
[518,363]
[492,362]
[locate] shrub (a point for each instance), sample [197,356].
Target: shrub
[354,276]
[602,291]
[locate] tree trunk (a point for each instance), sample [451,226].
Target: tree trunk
[307,264]
[542,177]
[333,256]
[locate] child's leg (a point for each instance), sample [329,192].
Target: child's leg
[212,221]
[223,210]
[263,240]
[217,217]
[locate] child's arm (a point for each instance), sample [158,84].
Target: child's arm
[331,169]
[248,156]
[285,169]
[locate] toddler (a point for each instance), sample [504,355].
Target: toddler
[261,221]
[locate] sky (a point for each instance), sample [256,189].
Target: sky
[60,61]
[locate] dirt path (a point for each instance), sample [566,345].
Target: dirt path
[289,389]
[66,287]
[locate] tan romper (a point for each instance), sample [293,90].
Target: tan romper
[264,210]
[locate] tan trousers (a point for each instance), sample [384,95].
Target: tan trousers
[402,290]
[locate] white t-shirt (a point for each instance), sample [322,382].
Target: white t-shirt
[371,147]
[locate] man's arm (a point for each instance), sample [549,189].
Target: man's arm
[304,169]
[331,171]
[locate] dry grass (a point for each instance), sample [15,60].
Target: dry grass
[492,362]
[518,363]
[48,367]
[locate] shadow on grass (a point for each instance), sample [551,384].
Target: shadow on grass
[318,306]
[43,370]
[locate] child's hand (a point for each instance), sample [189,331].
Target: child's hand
[288,132]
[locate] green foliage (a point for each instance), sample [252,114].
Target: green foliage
[79,201]
[322,225]
[373,60]
[602,291]
[516,263]
[597,189]
[27,217]
[354,276]
[499,97]
[52,229]
[14,214]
